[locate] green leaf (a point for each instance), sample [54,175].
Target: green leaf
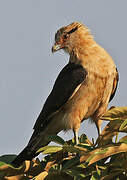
[42,149]
[123,139]
[56,139]
[123,125]
[2,163]
[83,138]
[95,176]
[7,159]
[117,178]
[96,153]
[115,113]
[69,163]
[85,146]
[50,149]
[80,172]
[76,174]
[72,149]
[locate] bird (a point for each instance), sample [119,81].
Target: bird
[82,90]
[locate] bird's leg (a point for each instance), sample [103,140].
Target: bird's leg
[76,136]
[98,125]
[75,131]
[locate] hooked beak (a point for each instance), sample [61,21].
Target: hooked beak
[56,47]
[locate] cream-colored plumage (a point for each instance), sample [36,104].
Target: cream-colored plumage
[82,90]
[92,98]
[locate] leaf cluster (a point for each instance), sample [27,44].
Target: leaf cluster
[104,159]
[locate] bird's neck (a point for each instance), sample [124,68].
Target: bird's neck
[82,49]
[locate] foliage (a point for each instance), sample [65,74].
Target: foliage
[105,159]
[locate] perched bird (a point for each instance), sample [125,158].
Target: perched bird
[82,90]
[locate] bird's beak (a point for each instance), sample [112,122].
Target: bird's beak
[56,47]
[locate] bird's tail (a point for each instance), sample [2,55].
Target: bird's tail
[26,154]
[38,139]
[30,151]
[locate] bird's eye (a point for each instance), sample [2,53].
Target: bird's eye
[73,30]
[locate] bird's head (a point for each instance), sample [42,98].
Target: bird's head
[68,37]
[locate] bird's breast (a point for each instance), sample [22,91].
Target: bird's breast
[92,96]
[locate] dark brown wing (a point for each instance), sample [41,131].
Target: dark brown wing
[69,78]
[115,84]
[67,81]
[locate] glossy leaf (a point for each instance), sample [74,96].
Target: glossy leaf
[7,159]
[100,152]
[49,149]
[72,149]
[123,139]
[56,139]
[123,125]
[115,113]
[96,155]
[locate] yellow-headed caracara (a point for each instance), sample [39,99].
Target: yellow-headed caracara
[82,90]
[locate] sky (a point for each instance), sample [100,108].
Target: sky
[28,68]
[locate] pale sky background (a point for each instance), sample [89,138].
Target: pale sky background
[28,69]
